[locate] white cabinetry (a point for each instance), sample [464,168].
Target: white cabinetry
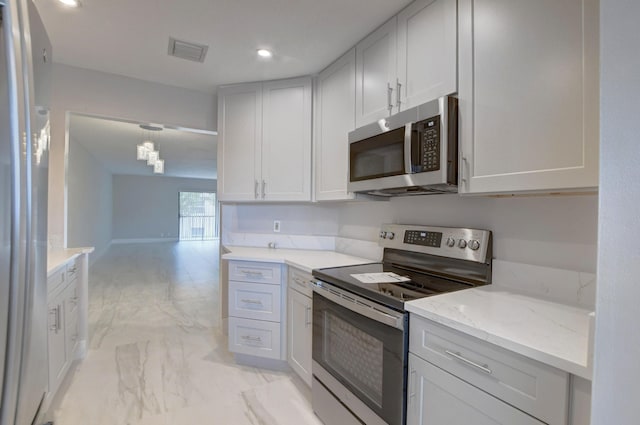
[255,313]
[528,95]
[63,335]
[299,327]
[437,397]
[264,145]
[335,103]
[454,377]
[407,61]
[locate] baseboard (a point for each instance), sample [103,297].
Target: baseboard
[143,240]
[261,363]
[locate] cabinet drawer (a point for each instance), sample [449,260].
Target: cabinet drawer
[254,301]
[300,281]
[254,337]
[57,279]
[249,271]
[538,389]
[73,269]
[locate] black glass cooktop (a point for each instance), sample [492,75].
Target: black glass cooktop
[392,295]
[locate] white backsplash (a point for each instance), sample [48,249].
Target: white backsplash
[566,286]
[262,240]
[359,248]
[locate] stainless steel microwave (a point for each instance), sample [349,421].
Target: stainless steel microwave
[414,152]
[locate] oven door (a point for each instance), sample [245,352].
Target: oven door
[362,348]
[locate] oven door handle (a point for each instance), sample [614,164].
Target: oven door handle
[359,305]
[407,147]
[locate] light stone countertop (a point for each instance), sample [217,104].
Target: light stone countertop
[302,259]
[57,258]
[547,331]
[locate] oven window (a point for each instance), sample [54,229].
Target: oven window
[378,156]
[366,356]
[356,355]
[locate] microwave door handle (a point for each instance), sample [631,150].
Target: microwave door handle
[407,148]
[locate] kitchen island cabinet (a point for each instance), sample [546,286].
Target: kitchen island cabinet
[264,141]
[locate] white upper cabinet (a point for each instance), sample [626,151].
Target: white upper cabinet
[528,95]
[335,103]
[239,141]
[427,52]
[264,141]
[409,60]
[376,74]
[286,140]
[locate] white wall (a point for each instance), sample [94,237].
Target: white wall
[91,92]
[548,231]
[146,207]
[90,201]
[616,385]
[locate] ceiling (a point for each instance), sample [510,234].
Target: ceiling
[131,37]
[113,143]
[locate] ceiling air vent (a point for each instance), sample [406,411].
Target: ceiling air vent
[186,50]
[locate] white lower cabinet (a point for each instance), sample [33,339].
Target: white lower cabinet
[299,334]
[256,316]
[299,323]
[456,379]
[436,397]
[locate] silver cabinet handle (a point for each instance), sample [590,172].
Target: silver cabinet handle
[255,189]
[412,385]
[398,89]
[264,185]
[250,338]
[300,282]
[307,317]
[54,312]
[257,302]
[465,164]
[389,93]
[466,361]
[251,273]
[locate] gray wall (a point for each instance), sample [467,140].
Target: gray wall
[556,231]
[147,207]
[89,200]
[101,94]
[616,385]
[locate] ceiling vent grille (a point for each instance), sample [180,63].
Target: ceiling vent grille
[186,50]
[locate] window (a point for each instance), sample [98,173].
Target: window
[197,216]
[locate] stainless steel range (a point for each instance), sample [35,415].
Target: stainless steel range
[360,325]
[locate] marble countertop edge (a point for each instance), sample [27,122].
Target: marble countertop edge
[58,257]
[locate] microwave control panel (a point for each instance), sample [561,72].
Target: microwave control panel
[426,145]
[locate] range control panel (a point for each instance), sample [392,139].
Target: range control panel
[461,243]
[424,238]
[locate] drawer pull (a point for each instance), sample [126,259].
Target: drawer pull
[72,270]
[252,339]
[300,282]
[251,273]
[459,357]
[307,317]
[256,302]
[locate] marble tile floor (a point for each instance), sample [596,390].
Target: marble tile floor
[156,353]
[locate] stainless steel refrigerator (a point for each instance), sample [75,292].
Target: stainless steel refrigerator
[25,71]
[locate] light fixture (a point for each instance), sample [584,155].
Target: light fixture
[158,167]
[264,53]
[70,3]
[146,151]
[152,157]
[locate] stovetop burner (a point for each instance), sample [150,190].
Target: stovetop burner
[433,259]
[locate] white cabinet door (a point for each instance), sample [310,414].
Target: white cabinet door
[376,74]
[56,340]
[335,102]
[239,142]
[299,334]
[528,95]
[437,397]
[286,140]
[427,51]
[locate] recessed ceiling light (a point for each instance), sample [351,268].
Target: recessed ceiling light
[70,3]
[264,53]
